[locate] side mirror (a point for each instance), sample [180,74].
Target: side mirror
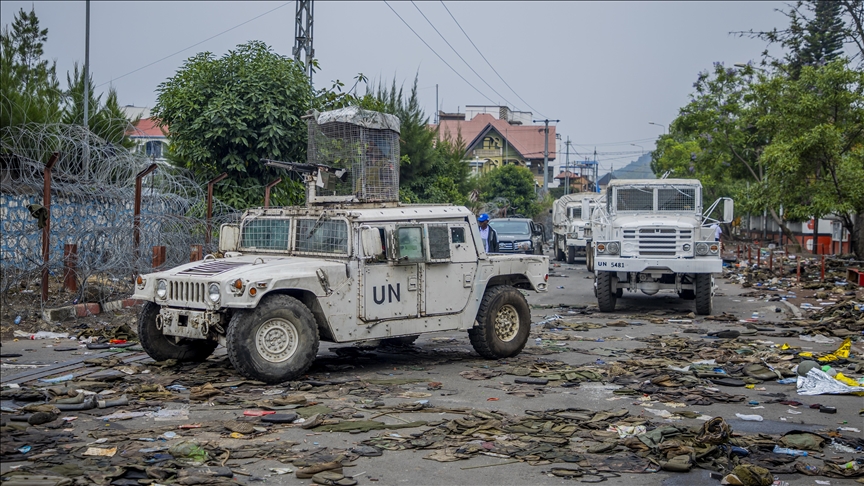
[728,210]
[550,211]
[586,209]
[229,237]
[373,249]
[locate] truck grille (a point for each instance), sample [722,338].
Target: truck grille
[505,246]
[187,291]
[658,241]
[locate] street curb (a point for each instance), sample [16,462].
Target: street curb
[86,309]
[795,310]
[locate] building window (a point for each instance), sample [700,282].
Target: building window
[153,149]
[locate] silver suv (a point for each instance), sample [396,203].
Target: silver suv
[518,235]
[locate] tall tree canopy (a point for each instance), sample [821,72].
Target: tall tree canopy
[227,114]
[514,183]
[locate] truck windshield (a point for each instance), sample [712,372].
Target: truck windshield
[510,227]
[266,234]
[669,199]
[574,212]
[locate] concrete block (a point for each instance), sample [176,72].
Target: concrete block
[58,314]
[112,306]
[88,309]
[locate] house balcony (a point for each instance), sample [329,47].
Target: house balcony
[486,153]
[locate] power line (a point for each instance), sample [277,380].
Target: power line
[194,45]
[457,53]
[439,57]
[490,64]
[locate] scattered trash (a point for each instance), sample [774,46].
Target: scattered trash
[751,418]
[788,452]
[96,451]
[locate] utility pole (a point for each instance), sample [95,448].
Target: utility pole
[567,168]
[87,87]
[437,120]
[546,153]
[303,35]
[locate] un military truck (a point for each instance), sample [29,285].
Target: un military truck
[353,265]
[650,235]
[568,226]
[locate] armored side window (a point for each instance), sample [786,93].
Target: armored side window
[439,242]
[266,234]
[322,236]
[457,235]
[410,243]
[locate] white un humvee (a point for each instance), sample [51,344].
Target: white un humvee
[650,235]
[341,272]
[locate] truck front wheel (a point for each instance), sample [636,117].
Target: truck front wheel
[571,255]
[704,300]
[606,295]
[559,253]
[275,342]
[161,347]
[589,257]
[503,323]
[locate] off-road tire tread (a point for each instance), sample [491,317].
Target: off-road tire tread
[481,335]
[704,300]
[160,347]
[571,255]
[306,354]
[589,258]
[606,297]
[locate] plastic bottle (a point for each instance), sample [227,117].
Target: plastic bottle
[18,320]
[751,418]
[789,452]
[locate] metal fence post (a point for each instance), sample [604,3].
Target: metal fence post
[46,230]
[136,230]
[267,192]
[70,263]
[210,208]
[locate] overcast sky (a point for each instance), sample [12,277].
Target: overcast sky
[605,69]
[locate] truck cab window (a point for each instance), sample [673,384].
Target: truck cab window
[457,235]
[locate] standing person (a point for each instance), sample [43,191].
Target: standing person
[717,231]
[487,234]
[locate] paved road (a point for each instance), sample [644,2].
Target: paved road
[440,357]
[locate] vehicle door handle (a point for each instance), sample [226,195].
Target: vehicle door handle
[412,283]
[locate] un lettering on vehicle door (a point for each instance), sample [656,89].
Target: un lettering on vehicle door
[389,291]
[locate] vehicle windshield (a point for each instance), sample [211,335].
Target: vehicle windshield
[511,227]
[668,199]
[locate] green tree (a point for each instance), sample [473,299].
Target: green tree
[816,158]
[107,121]
[227,114]
[514,183]
[29,90]
[823,42]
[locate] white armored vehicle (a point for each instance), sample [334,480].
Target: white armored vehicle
[569,224]
[353,265]
[650,235]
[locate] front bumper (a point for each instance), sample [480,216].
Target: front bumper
[659,265]
[189,323]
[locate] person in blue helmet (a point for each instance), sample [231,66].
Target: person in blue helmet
[490,238]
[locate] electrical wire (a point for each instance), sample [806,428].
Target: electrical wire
[439,56]
[490,64]
[193,45]
[459,55]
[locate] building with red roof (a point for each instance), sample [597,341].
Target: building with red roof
[496,136]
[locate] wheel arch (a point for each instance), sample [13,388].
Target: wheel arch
[515,280]
[310,300]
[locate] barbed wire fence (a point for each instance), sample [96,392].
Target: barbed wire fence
[92,206]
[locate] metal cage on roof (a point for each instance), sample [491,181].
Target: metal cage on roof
[362,149]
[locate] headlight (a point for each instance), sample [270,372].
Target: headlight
[523,245]
[213,292]
[612,247]
[162,289]
[701,248]
[687,246]
[573,236]
[714,248]
[601,247]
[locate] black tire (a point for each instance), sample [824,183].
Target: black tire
[399,342]
[687,294]
[589,257]
[161,347]
[275,342]
[571,255]
[559,253]
[496,335]
[704,299]
[606,295]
